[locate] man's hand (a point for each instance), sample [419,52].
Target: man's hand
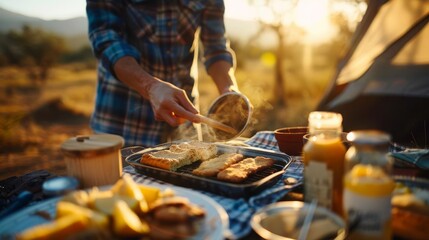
[170,103]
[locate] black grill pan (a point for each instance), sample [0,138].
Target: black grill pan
[184,177]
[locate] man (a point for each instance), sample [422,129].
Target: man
[145,51]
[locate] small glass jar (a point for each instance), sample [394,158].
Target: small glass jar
[323,156]
[368,185]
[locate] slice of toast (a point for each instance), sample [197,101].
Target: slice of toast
[203,150]
[212,167]
[169,160]
[238,172]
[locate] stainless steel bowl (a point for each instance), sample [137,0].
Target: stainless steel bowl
[232,109]
[283,221]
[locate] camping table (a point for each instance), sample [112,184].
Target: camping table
[241,210]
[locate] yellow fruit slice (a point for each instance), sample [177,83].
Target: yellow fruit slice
[107,204]
[66,208]
[58,229]
[126,222]
[96,193]
[128,188]
[151,194]
[79,197]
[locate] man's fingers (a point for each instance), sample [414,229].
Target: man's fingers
[184,101]
[174,109]
[180,120]
[169,118]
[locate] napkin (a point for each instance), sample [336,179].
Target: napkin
[412,157]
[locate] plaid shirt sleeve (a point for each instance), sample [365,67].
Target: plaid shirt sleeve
[106,27]
[213,34]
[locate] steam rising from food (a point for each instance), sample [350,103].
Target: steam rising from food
[231,109]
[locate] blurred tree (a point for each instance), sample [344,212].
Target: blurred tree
[33,49]
[83,54]
[271,18]
[3,58]
[279,17]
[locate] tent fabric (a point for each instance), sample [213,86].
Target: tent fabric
[383,81]
[391,21]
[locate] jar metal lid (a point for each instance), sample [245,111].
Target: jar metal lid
[319,120]
[368,137]
[92,145]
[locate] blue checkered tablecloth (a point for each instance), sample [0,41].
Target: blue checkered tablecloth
[241,210]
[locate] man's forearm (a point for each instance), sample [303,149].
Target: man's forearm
[130,72]
[222,74]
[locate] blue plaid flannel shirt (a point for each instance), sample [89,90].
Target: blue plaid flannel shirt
[159,34]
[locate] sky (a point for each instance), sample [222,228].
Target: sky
[310,15]
[65,9]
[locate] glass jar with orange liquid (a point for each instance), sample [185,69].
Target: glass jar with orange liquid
[368,186]
[323,157]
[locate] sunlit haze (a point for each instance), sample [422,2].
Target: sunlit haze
[310,15]
[46,9]
[239,9]
[313,17]
[64,9]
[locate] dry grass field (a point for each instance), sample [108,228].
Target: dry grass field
[35,119]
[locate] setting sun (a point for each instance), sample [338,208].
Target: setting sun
[313,17]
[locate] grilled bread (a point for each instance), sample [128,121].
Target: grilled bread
[238,172]
[203,150]
[169,160]
[179,155]
[212,167]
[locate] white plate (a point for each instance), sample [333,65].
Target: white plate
[216,225]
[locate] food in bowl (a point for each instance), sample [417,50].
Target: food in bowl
[127,210]
[410,208]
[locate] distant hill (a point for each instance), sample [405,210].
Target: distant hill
[76,28]
[70,27]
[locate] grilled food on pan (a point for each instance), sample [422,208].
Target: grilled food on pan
[203,150]
[229,167]
[179,155]
[212,167]
[238,172]
[169,160]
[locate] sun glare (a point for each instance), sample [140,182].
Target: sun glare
[239,9]
[313,17]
